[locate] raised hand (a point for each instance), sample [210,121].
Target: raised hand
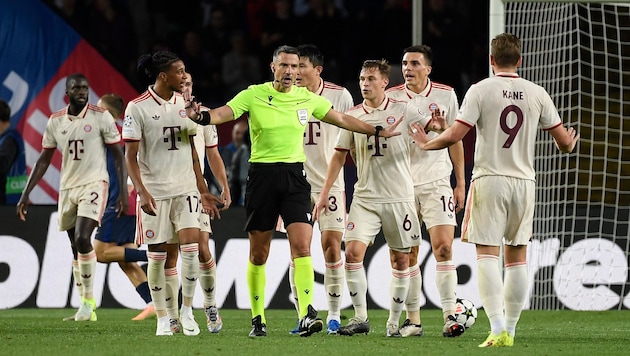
[389,131]
[438,121]
[193,108]
[417,133]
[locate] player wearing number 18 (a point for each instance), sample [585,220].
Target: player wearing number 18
[506,110]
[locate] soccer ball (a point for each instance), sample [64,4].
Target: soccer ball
[465,312]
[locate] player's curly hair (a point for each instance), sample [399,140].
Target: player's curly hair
[152,64]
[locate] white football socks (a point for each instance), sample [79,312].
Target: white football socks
[491,291]
[515,292]
[357,286]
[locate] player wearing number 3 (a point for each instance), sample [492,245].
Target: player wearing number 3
[506,110]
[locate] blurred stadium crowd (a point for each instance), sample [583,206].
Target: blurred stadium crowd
[226,44]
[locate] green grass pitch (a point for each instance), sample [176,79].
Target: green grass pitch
[41,332]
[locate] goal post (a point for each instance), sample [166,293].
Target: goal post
[579,52]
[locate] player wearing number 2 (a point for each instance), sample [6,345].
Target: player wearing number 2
[506,110]
[82,132]
[436,201]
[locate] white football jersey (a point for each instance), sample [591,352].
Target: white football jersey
[320,138]
[81,140]
[164,132]
[507,110]
[206,137]
[383,164]
[438,162]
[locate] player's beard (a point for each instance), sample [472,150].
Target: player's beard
[77,105]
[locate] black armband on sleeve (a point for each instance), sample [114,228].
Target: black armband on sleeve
[205,118]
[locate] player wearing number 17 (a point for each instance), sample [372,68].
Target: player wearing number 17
[500,206]
[164,167]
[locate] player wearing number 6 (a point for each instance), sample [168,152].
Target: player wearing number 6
[383,195]
[506,111]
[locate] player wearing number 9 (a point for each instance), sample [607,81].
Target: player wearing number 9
[506,111]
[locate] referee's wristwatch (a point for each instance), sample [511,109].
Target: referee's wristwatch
[378,130]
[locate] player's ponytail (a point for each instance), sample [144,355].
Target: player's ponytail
[144,65]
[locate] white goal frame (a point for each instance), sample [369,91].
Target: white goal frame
[595,276]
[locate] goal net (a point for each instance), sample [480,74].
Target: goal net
[580,53]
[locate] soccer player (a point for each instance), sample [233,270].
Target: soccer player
[208,138]
[319,146]
[383,195]
[436,202]
[164,168]
[500,206]
[278,114]
[115,238]
[82,132]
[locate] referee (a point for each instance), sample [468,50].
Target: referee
[278,114]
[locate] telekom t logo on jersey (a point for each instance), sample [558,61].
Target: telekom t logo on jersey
[312,131]
[75,148]
[377,146]
[172,136]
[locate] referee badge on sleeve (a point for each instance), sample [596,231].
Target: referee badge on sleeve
[303,116]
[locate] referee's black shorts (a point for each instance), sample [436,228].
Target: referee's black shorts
[276,189]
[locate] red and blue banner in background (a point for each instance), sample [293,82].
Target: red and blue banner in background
[38,50]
